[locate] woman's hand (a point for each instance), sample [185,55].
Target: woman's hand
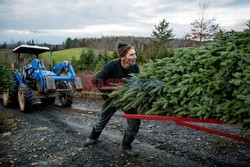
[113,95]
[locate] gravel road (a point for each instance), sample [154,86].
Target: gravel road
[54,136]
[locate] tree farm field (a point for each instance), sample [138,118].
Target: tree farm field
[67,54]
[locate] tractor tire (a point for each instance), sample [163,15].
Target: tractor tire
[66,98]
[24,98]
[10,97]
[47,101]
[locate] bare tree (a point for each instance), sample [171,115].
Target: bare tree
[203,29]
[248,24]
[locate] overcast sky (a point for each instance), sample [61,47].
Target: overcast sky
[52,21]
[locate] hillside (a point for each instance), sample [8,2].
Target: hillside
[67,54]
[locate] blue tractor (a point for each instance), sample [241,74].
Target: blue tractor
[35,82]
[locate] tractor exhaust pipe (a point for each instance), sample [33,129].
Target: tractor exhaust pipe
[51,59]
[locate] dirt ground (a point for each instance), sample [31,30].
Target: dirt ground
[54,136]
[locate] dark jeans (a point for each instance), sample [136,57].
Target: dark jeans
[133,125]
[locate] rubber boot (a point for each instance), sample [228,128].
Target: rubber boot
[126,146]
[93,138]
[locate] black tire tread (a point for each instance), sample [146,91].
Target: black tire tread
[27,92]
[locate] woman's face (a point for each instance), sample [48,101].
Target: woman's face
[130,57]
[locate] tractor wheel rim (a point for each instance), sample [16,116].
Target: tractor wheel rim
[5,98]
[21,99]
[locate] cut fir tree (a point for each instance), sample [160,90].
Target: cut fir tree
[211,81]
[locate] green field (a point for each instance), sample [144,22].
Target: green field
[58,56]
[62,55]
[67,54]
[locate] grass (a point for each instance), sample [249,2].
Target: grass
[59,56]
[67,54]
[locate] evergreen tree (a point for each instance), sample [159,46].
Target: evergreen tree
[140,56]
[100,64]
[114,55]
[4,45]
[68,43]
[86,60]
[161,35]
[6,75]
[210,81]
[105,57]
[75,64]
